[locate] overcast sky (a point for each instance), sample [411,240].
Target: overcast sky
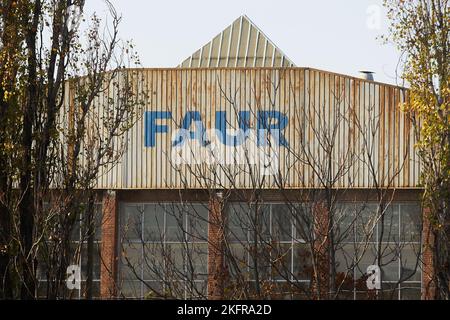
[332,35]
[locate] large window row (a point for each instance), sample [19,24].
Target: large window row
[270,249]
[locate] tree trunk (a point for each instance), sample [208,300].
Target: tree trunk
[26,207]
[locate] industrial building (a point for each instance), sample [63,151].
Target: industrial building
[248,177]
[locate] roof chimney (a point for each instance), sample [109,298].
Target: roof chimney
[366,75]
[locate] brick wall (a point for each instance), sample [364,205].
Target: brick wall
[108,248]
[216,259]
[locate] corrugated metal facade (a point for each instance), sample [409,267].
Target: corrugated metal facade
[360,117]
[242,44]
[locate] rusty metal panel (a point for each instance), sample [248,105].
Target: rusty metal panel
[372,139]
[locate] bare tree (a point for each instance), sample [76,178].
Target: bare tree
[306,243]
[64,143]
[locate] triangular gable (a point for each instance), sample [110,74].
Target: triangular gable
[242,44]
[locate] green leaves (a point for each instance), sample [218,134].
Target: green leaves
[421,30]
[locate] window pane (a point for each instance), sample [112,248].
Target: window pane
[302,220]
[95,289]
[153,289]
[411,222]
[154,222]
[237,259]
[259,222]
[410,291]
[281,261]
[198,222]
[238,221]
[301,291]
[281,222]
[132,222]
[175,223]
[345,222]
[153,262]
[131,261]
[42,289]
[98,221]
[345,258]
[390,228]
[176,289]
[262,256]
[74,254]
[76,232]
[390,291]
[197,262]
[390,263]
[302,262]
[95,261]
[410,262]
[364,257]
[80,227]
[197,290]
[131,289]
[366,219]
[174,258]
[280,290]
[42,267]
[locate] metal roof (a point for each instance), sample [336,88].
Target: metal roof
[242,44]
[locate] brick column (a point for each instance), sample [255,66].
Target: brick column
[321,276]
[216,259]
[428,285]
[108,249]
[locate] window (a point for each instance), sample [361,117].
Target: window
[398,228]
[78,256]
[164,250]
[266,241]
